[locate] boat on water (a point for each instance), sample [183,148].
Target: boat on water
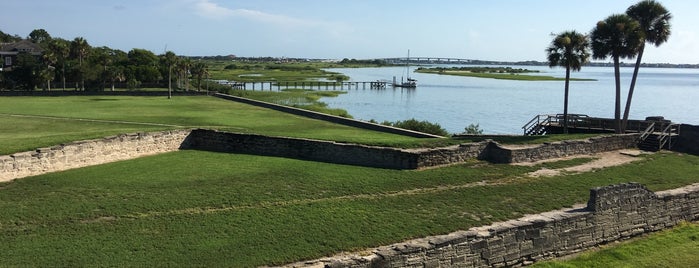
[410,83]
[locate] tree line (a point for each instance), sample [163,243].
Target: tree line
[619,36]
[75,64]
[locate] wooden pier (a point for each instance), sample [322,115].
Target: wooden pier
[314,85]
[655,132]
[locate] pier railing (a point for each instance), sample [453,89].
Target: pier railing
[317,85]
[542,124]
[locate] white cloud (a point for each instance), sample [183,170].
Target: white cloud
[211,10]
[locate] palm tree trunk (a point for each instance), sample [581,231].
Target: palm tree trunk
[625,121]
[169,82]
[617,99]
[64,75]
[565,102]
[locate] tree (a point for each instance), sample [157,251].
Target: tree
[199,70]
[183,65]
[170,61]
[80,49]
[618,36]
[60,48]
[39,36]
[50,58]
[570,50]
[654,21]
[7,38]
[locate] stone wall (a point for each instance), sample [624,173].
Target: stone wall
[612,213]
[89,152]
[305,149]
[128,146]
[688,140]
[515,154]
[394,158]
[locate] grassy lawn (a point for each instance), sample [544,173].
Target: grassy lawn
[27,123]
[192,208]
[46,121]
[670,248]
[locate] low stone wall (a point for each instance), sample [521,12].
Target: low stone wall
[305,149]
[128,146]
[505,154]
[89,152]
[612,213]
[394,158]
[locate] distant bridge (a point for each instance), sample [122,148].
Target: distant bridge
[428,60]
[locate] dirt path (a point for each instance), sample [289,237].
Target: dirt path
[602,160]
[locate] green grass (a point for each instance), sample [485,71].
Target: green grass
[117,115]
[27,123]
[676,247]
[193,208]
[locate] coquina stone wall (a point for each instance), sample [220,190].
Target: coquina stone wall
[394,158]
[89,152]
[305,149]
[497,153]
[612,213]
[128,146]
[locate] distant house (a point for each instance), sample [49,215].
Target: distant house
[9,52]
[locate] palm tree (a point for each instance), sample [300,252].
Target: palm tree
[570,50]
[50,59]
[59,47]
[183,65]
[617,36]
[170,60]
[654,20]
[80,48]
[199,70]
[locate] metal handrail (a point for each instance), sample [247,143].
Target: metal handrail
[649,130]
[666,135]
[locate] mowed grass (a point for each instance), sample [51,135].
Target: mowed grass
[30,122]
[676,247]
[193,208]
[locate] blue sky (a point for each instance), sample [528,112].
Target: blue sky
[503,30]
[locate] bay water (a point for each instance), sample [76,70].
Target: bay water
[504,106]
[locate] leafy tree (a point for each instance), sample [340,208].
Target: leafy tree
[26,72]
[7,38]
[80,49]
[39,36]
[142,66]
[570,50]
[618,36]
[654,21]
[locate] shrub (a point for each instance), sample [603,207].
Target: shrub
[473,129]
[421,126]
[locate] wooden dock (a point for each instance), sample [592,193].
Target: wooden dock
[655,132]
[313,85]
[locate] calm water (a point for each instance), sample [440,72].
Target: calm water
[504,106]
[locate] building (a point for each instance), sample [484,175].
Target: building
[9,52]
